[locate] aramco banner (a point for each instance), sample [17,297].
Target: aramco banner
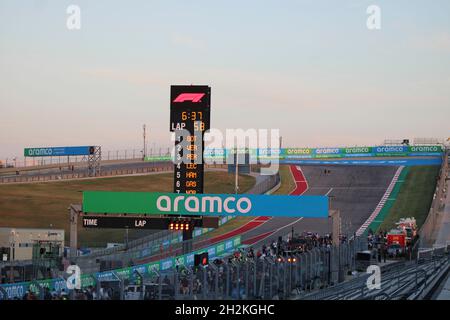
[318,153]
[58,151]
[155,203]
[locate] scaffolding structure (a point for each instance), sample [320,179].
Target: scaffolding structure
[94,160]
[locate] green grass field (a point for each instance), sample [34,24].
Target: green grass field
[287,183]
[414,198]
[41,205]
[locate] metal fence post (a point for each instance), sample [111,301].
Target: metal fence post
[301,261]
[295,272]
[255,279]
[247,270]
[416,281]
[216,284]
[271,275]
[309,270]
[305,272]
[284,280]
[205,284]
[238,278]
[262,280]
[122,289]
[191,283]
[277,275]
[98,285]
[176,285]
[160,286]
[227,287]
[315,266]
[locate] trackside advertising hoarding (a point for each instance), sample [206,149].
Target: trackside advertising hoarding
[377,151]
[107,202]
[425,150]
[318,153]
[58,151]
[158,158]
[386,151]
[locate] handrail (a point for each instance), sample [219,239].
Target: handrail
[399,275]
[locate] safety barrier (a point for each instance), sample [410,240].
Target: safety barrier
[429,230]
[17,290]
[285,153]
[159,167]
[162,244]
[83,175]
[430,253]
[250,278]
[376,151]
[227,278]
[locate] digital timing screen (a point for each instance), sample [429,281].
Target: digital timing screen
[189,110]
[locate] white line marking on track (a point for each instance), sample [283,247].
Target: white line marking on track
[304,178]
[382,202]
[279,229]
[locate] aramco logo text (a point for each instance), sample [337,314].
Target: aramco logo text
[40,152]
[206,204]
[425,149]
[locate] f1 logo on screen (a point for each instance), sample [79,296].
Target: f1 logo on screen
[193,97]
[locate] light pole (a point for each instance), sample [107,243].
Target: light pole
[236,180]
[144,151]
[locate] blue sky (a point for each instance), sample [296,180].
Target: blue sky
[309,68]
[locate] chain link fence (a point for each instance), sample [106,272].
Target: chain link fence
[228,277]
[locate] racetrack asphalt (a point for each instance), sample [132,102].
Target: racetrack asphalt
[354,190]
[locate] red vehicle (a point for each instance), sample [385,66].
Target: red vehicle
[396,243]
[396,238]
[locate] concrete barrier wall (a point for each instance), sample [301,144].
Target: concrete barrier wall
[429,230]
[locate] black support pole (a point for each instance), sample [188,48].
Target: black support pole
[187,243]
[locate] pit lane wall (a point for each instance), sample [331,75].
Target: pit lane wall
[219,154]
[17,290]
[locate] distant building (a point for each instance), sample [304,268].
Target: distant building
[18,244]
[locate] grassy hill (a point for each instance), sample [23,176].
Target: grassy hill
[287,182]
[41,205]
[415,196]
